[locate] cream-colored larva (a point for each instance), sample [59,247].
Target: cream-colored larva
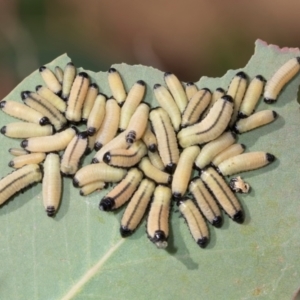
[126,158]
[216,95]
[166,138]
[59,73]
[245,162]
[167,102]
[190,90]
[256,120]
[236,90]
[27,159]
[17,151]
[89,101]
[183,171]
[23,112]
[91,143]
[211,149]
[195,221]
[38,103]
[23,130]
[133,99]
[77,96]
[176,90]
[136,207]
[196,106]
[116,85]
[74,152]
[154,173]
[52,184]
[211,127]
[149,139]
[92,187]
[18,180]
[223,194]
[155,160]
[280,78]
[137,124]
[55,100]
[98,171]
[110,124]
[50,80]
[52,143]
[118,142]
[158,217]
[231,151]
[238,185]
[122,192]
[253,93]
[96,115]
[69,76]
[206,202]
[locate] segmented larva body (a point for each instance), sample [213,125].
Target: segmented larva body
[211,127]
[231,151]
[59,73]
[183,171]
[206,202]
[149,139]
[89,101]
[116,85]
[252,96]
[195,221]
[69,76]
[223,194]
[92,187]
[18,180]
[52,184]
[196,106]
[77,96]
[73,153]
[167,102]
[52,143]
[51,97]
[23,130]
[137,124]
[190,90]
[280,78]
[211,149]
[136,207]
[166,138]
[23,112]
[256,120]
[156,160]
[27,159]
[216,95]
[158,217]
[176,90]
[245,162]
[133,99]
[122,192]
[50,80]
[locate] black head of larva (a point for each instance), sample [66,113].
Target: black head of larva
[203,242]
[3,130]
[91,131]
[168,74]
[44,121]
[38,87]
[235,129]
[107,157]
[260,77]
[83,74]
[42,68]
[217,221]
[106,204]
[2,104]
[170,168]
[220,90]
[241,75]
[95,161]
[152,148]
[141,82]
[83,135]
[207,90]
[112,70]
[11,164]
[270,157]
[98,146]
[227,98]
[50,211]
[25,94]
[159,236]
[190,83]
[177,196]
[275,114]
[156,86]
[125,232]
[130,137]
[239,217]
[269,100]
[75,182]
[24,143]
[94,86]
[70,64]
[241,115]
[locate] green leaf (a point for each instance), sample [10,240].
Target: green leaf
[80,250]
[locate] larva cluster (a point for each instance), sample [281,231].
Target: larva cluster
[150,153]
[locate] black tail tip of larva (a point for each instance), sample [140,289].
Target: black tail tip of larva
[190,83]
[270,157]
[25,95]
[95,161]
[227,98]
[24,143]
[94,86]
[156,86]
[107,204]
[260,77]
[241,115]
[98,146]
[177,196]
[170,168]
[11,164]
[239,217]
[141,82]
[50,210]
[44,121]
[241,75]
[83,135]
[107,157]
[217,222]
[203,242]
[112,70]
[159,236]
[75,182]
[152,148]
[2,104]
[42,68]
[207,90]
[269,100]
[83,74]
[38,87]
[219,89]
[3,130]
[125,231]
[91,131]
[275,114]
[298,59]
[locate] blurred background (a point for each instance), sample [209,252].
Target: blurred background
[188,37]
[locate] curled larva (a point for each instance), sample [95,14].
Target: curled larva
[122,192]
[50,80]
[116,85]
[69,76]
[158,217]
[195,221]
[280,78]
[245,162]
[27,159]
[89,101]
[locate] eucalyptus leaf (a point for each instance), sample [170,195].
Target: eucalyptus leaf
[80,253]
